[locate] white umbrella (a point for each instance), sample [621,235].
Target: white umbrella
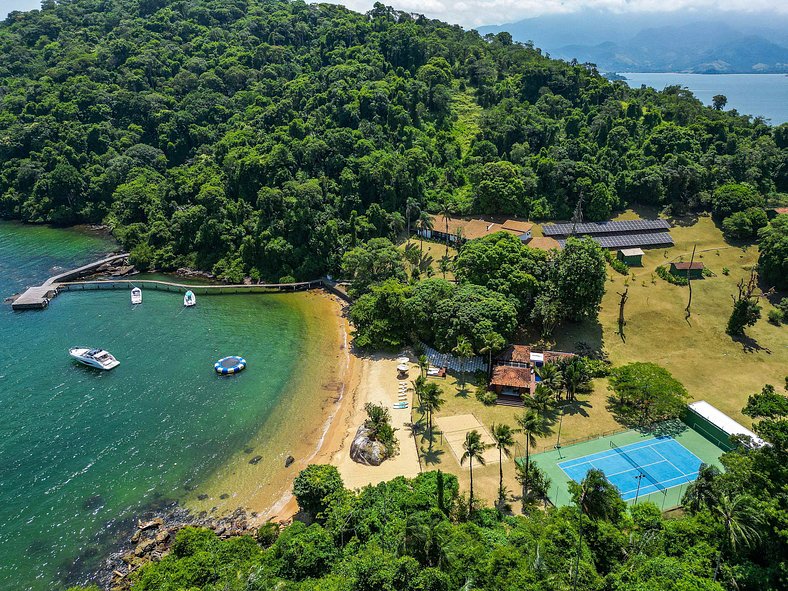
[402,367]
[402,359]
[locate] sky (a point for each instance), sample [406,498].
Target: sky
[472,13]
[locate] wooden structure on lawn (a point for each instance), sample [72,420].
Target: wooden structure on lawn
[632,257]
[460,230]
[693,270]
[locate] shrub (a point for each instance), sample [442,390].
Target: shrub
[775,317]
[597,368]
[617,265]
[783,307]
[486,396]
[726,271]
[665,274]
[267,534]
[314,484]
[191,540]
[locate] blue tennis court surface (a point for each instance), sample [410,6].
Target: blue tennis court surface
[663,461]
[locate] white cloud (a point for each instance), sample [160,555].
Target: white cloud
[472,13]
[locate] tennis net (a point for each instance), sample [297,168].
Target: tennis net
[640,468]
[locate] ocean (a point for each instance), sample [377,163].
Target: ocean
[764,95]
[82,452]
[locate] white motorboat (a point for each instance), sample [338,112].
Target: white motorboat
[136,296]
[97,358]
[189,299]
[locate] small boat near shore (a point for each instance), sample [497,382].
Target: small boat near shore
[98,358]
[136,296]
[189,299]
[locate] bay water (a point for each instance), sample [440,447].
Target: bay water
[83,451]
[764,95]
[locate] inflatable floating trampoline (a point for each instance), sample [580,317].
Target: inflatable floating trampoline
[230,365]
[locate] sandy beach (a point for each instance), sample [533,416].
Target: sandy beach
[316,425]
[378,383]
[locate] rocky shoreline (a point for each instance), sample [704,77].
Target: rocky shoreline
[152,538]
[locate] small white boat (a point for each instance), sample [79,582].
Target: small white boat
[136,296]
[97,358]
[188,299]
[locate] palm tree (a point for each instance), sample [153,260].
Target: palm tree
[464,350]
[503,435]
[444,265]
[533,425]
[574,377]
[474,448]
[424,225]
[444,207]
[493,342]
[418,386]
[431,401]
[424,364]
[740,520]
[410,205]
[542,400]
[551,377]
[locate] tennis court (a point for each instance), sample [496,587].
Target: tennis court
[655,464]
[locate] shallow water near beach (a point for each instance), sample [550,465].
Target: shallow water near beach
[82,451]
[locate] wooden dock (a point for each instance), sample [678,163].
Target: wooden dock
[199,289]
[37,298]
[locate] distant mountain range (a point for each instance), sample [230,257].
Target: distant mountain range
[661,42]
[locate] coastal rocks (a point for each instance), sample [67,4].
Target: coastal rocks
[186,272]
[365,451]
[289,460]
[152,539]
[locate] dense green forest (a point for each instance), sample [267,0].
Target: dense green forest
[245,136]
[419,535]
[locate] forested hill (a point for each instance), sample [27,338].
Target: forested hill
[249,136]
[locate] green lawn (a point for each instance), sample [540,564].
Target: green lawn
[711,365]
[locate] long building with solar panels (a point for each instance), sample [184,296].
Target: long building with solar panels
[615,235]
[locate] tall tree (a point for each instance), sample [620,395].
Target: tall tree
[503,435]
[740,522]
[533,426]
[473,449]
[431,401]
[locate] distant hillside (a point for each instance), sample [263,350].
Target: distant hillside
[667,42]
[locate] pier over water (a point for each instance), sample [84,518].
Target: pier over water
[38,298]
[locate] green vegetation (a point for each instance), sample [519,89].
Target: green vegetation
[502,285]
[773,262]
[645,393]
[246,138]
[379,424]
[419,535]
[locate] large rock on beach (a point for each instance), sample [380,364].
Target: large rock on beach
[366,451]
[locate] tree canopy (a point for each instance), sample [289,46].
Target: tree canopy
[269,138]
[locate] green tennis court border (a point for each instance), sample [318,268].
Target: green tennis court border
[708,452]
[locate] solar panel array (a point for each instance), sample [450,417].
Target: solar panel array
[629,240]
[605,227]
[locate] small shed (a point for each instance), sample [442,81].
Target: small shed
[633,257]
[694,270]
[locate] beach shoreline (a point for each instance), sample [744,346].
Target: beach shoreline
[348,381]
[303,425]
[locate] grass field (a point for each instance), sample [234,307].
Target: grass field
[711,365]
[436,250]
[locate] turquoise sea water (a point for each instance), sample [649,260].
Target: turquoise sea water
[751,94]
[82,450]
